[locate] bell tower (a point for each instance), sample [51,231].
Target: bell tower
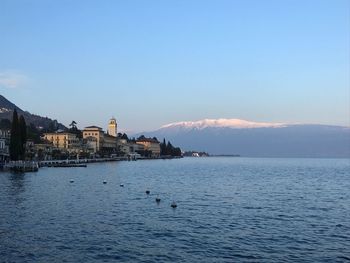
[112,127]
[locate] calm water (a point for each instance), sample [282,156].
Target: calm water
[229,210]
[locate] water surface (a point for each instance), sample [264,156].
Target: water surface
[229,210]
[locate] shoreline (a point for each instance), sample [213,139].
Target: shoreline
[34,166]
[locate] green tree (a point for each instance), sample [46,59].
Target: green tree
[177,151]
[15,141]
[163,147]
[125,137]
[73,125]
[22,130]
[74,129]
[33,133]
[142,137]
[169,148]
[5,124]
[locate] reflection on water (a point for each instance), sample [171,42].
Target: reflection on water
[17,184]
[229,209]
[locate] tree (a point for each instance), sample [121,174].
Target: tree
[73,124]
[51,127]
[163,147]
[22,130]
[169,148]
[142,137]
[15,140]
[125,137]
[74,129]
[33,133]
[5,124]
[177,151]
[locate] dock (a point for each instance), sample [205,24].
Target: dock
[21,166]
[78,162]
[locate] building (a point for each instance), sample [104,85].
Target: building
[112,127]
[151,145]
[94,134]
[98,140]
[91,144]
[43,151]
[129,147]
[4,150]
[2,145]
[5,136]
[109,143]
[64,141]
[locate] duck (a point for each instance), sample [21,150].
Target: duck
[121,185]
[104,182]
[71,180]
[157,199]
[148,192]
[173,204]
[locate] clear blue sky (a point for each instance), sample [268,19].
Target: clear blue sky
[149,63]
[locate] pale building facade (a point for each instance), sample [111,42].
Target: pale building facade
[98,140]
[91,144]
[64,140]
[130,148]
[150,145]
[94,132]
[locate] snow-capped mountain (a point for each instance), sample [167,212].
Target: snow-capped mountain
[221,123]
[257,139]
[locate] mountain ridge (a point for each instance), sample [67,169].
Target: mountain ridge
[222,122]
[282,140]
[6,111]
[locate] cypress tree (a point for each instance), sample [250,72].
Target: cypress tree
[163,147]
[169,148]
[22,128]
[15,138]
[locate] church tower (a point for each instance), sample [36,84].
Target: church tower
[112,127]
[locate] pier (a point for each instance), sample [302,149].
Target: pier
[21,166]
[72,163]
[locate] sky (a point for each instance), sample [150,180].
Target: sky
[149,63]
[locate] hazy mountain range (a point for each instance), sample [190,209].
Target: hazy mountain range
[6,112]
[257,139]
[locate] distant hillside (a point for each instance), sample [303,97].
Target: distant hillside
[252,139]
[6,111]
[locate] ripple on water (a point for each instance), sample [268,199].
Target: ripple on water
[230,209]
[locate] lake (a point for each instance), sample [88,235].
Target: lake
[229,210]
